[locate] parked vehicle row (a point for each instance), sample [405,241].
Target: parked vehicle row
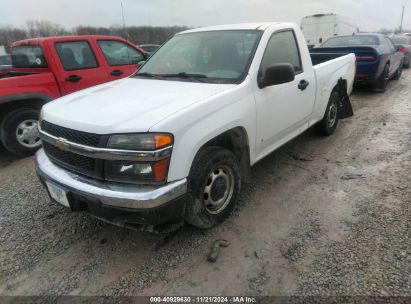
[47,68]
[175,141]
[378,59]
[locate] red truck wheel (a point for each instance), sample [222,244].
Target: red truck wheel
[19,132]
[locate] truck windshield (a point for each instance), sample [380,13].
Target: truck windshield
[28,57]
[215,56]
[359,40]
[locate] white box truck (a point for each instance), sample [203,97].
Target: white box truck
[320,27]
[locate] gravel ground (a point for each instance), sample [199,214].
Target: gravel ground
[322,217]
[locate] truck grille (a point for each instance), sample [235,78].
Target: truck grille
[69,160]
[78,137]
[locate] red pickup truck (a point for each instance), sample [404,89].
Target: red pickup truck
[47,68]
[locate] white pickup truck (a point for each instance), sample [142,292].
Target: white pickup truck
[174,142]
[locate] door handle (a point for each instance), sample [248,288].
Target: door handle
[117,73]
[73,78]
[303,84]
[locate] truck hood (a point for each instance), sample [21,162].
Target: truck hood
[128,105]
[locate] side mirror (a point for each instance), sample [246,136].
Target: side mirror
[141,63]
[277,74]
[398,47]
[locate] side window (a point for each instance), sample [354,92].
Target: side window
[282,48]
[76,55]
[119,53]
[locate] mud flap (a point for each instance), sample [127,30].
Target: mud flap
[345,103]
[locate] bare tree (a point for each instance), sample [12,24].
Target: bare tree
[44,28]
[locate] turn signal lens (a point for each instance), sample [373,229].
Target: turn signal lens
[163,140]
[160,169]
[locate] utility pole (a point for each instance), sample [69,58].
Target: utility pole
[402,18]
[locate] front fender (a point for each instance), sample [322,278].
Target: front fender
[201,122]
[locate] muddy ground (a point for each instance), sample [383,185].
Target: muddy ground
[323,216]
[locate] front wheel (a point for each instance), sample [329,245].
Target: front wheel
[19,132]
[329,122]
[214,184]
[398,72]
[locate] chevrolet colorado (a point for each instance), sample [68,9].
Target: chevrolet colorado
[44,69]
[174,142]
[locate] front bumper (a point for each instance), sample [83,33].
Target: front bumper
[117,203]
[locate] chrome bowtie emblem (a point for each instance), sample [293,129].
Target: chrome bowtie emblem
[62,144]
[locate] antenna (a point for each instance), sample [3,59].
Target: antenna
[124,20]
[402,18]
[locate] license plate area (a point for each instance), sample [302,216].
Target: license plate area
[58,194]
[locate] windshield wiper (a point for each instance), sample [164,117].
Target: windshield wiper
[144,74]
[185,75]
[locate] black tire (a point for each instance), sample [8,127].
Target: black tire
[9,131]
[207,172]
[331,117]
[382,82]
[398,72]
[407,61]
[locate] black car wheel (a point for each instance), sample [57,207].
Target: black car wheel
[382,82]
[329,122]
[407,61]
[214,184]
[19,132]
[398,72]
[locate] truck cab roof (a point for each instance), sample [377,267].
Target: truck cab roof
[238,26]
[42,40]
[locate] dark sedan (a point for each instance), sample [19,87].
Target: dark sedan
[378,60]
[150,49]
[5,64]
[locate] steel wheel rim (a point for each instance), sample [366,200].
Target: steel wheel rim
[27,134]
[332,114]
[220,179]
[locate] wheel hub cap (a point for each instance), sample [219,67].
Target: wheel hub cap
[332,114]
[27,134]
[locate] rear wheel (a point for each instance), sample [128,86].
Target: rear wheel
[19,132]
[214,184]
[382,81]
[329,122]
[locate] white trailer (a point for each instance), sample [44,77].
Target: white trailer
[320,27]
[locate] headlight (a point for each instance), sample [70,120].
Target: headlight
[135,171]
[140,142]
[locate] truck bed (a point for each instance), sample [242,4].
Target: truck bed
[318,58]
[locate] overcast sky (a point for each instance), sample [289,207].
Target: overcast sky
[369,14]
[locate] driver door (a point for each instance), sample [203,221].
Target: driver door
[283,110]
